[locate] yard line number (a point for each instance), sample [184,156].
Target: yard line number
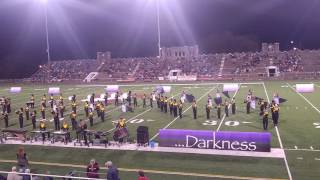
[227,123]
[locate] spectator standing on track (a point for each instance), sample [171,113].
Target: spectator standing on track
[48,177]
[93,169]
[13,175]
[112,172]
[142,176]
[26,176]
[22,159]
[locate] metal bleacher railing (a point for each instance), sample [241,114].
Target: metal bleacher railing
[40,176]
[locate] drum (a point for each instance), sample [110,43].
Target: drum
[121,133]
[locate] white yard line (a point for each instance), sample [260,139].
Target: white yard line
[168,84]
[224,116]
[182,113]
[309,150]
[279,138]
[304,98]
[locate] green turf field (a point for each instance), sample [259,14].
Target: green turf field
[298,134]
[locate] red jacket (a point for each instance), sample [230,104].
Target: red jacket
[92,170]
[143,178]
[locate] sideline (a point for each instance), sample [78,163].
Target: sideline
[147,171]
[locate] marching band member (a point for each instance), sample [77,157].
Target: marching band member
[86,108]
[116,100]
[61,99]
[171,106]
[91,118]
[73,98]
[6,119]
[262,106]
[44,100]
[42,128]
[65,128]
[106,99]
[165,105]
[51,101]
[98,107]
[161,103]
[233,106]
[20,114]
[135,101]
[56,120]
[144,101]
[180,105]
[102,111]
[8,105]
[32,101]
[194,109]
[26,110]
[158,101]
[175,108]
[74,106]
[73,117]
[265,119]
[275,113]
[129,98]
[151,100]
[92,98]
[121,123]
[43,112]
[226,108]
[208,109]
[61,109]
[248,102]
[81,132]
[219,111]
[33,119]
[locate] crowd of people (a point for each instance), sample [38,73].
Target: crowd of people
[23,169]
[65,70]
[150,68]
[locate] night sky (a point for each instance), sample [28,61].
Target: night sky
[128,28]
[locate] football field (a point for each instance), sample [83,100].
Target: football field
[297,133]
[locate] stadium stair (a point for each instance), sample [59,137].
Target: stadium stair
[91,76]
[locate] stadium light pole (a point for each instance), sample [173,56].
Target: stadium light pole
[158,24]
[45,3]
[47,31]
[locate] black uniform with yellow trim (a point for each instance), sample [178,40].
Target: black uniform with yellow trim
[165,105]
[175,108]
[73,117]
[86,108]
[275,114]
[233,106]
[265,119]
[208,109]
[194,109]
[219,111]
[43,128]
[226,108]
[33,119]
[180,106]
[43,112]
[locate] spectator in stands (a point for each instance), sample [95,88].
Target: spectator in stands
[93,169]
[13,175]
[142,176]
[112,172]
[26,176]
[48,177]
[22,159]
